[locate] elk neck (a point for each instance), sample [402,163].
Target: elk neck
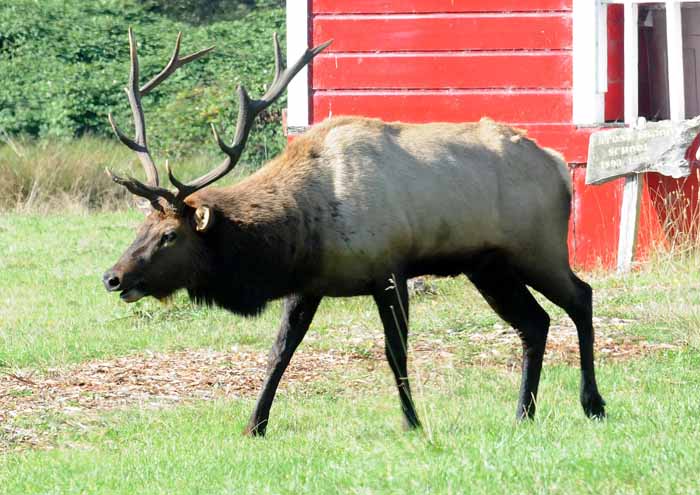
[265,241]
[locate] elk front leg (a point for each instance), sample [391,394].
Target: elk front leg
[298,312]
[393,310]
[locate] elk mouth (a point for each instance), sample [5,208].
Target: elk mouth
[133,294]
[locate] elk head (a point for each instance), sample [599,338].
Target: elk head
[169,245]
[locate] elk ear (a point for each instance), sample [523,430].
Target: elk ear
[203,218]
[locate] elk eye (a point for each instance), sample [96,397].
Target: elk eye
[168,237]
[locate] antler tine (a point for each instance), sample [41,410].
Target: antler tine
[130,143]
[283,78]
[138,188]
[173,64]
[278,56]
[248,110]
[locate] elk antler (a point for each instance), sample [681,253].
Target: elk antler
[151,189]
[247,112]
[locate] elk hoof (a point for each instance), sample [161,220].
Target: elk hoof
[525,413]
[411,424]
[255,430]
[593,405]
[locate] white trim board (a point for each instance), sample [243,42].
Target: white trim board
[297,43]
[590,61]
[674,44]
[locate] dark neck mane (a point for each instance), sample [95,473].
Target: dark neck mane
[248,265]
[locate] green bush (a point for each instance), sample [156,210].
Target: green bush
[63,64]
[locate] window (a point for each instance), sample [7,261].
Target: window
[661,48]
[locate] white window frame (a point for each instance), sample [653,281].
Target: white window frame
[590,59]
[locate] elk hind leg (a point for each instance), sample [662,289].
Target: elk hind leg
[575,296]
[512,301]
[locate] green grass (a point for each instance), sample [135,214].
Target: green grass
[352,443]
[325,437]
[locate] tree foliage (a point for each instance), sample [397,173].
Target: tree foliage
[207,11]
[63,64]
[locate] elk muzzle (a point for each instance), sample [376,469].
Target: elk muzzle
[114,281]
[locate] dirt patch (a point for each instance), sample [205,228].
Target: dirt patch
[154,380]
[500,345]
[612,342]
[148,380]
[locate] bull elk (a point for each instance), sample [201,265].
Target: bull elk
[348,206]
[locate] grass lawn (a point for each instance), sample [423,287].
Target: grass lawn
[335,427]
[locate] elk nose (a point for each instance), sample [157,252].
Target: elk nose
[111,280]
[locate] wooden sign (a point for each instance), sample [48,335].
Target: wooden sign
[652,147]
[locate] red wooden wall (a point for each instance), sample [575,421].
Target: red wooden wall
[428,60]
[441,60]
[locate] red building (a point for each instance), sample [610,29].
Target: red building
[553,67]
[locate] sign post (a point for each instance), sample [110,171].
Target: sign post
[629,221]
